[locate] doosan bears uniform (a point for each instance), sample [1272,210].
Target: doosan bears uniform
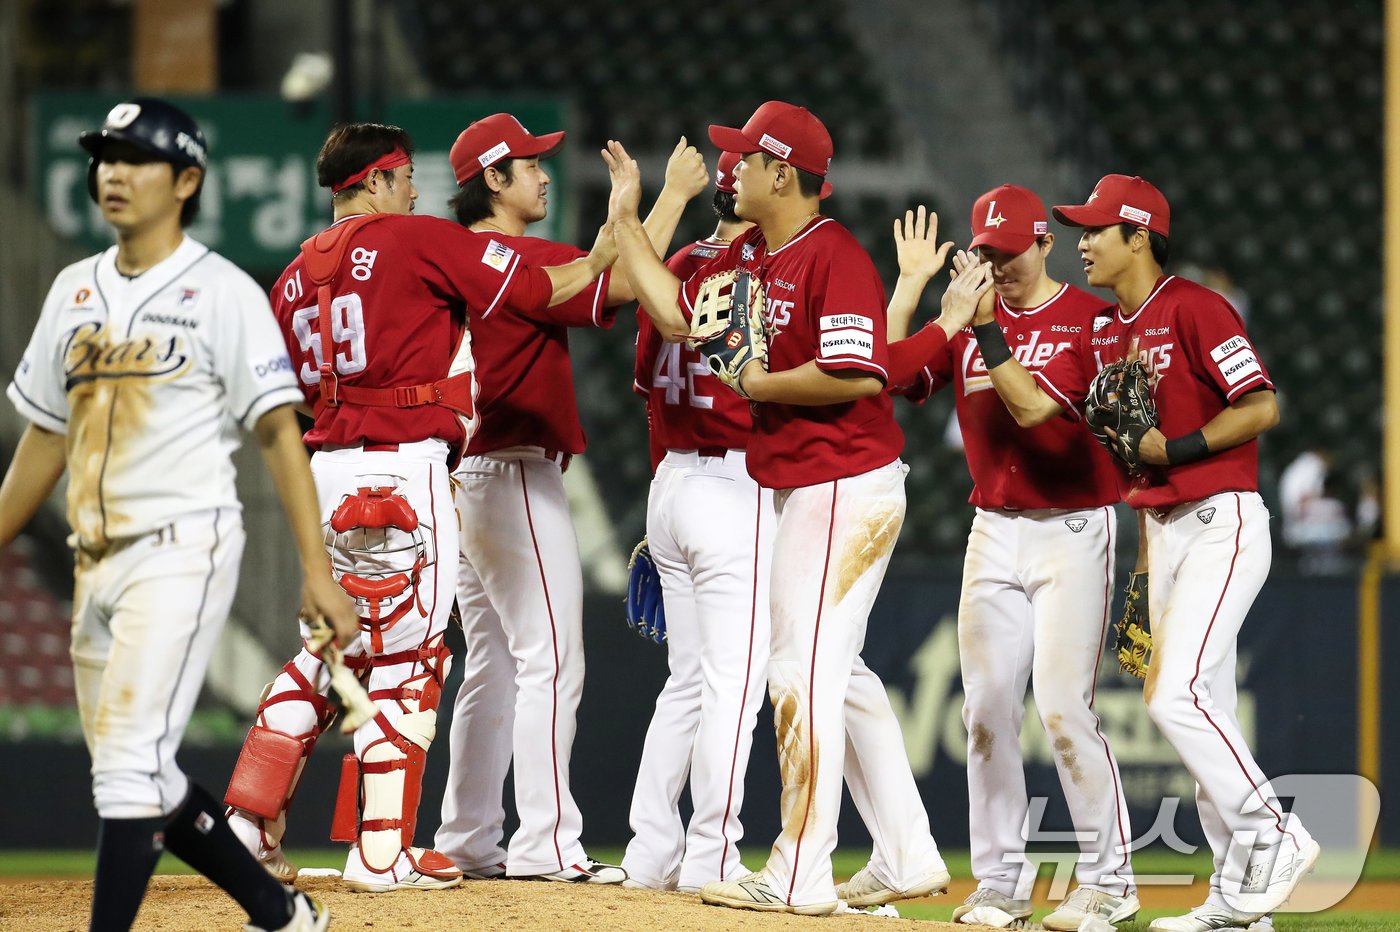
[839,493]
[520,587]
[1038,577]
[710,531]
[149,379]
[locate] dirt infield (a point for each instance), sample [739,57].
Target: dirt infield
[181,903]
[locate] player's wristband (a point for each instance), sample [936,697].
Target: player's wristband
[992,342]
[1186,449]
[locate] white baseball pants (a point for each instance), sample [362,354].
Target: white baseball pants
[1036,596]
[520,592]
[147,613]
[1208,560]
[710,529]
[831,712]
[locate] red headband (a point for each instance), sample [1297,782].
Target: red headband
[392,160]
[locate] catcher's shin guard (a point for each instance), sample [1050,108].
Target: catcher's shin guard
[389,771]
[291,716]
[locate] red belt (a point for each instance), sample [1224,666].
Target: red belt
[381,448]
[560,457]
[719,452]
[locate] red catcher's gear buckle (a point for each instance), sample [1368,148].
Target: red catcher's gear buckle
[330,385]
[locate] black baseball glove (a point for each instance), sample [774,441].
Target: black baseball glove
[1120,411]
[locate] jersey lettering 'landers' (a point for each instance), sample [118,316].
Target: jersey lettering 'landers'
[1057,464]
[522,359]
[1195,343]
[398,314]
[688,408]
[824,302]
[150,379]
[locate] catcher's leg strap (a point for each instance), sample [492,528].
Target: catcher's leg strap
[272,760]
[391,767]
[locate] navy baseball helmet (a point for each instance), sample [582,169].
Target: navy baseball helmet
[158,127]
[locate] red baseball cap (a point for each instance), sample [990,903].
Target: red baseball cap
[496,137]
[1119,199]
[784,131]
[724,171]
[1009,218]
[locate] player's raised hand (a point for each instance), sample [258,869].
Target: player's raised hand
[321,595]
[626,194]
[686,174]
[965,291]
[916,244]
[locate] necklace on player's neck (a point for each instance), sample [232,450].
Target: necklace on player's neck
[800,224]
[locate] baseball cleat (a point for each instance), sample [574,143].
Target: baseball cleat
[415,869]
[585,871]
[865,889]
[1208,917]
[489,872]
[1268,885]
[986,906]
[278,866]
[753,891]
[1085,902]
[308,915]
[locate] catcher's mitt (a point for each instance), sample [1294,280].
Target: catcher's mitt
[728,324]
[1120,399]
[1133,634]
[646,611]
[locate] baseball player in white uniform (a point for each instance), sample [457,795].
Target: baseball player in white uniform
[146,361]
[1037,581]
[709,528]
[520,586]
[1207,529]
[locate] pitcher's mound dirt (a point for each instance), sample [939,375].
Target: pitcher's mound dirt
[183,903]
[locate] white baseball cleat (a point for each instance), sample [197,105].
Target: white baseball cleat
[489,872]
[415,869]
[988,907]
[1208,917]
[1085,902]
[585,871]
[1267,885]
[308,915]
[865,889]
[753,891]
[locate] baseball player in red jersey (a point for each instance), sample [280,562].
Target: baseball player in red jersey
[1037,582]
[374,314]
[146,359]
[520,588]
[826,442]
[1207,529]
[709,528]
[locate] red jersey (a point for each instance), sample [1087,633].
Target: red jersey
[522,358]
[823,301]
[1195,342]
[1057,464]
[402,294]
[687,407]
